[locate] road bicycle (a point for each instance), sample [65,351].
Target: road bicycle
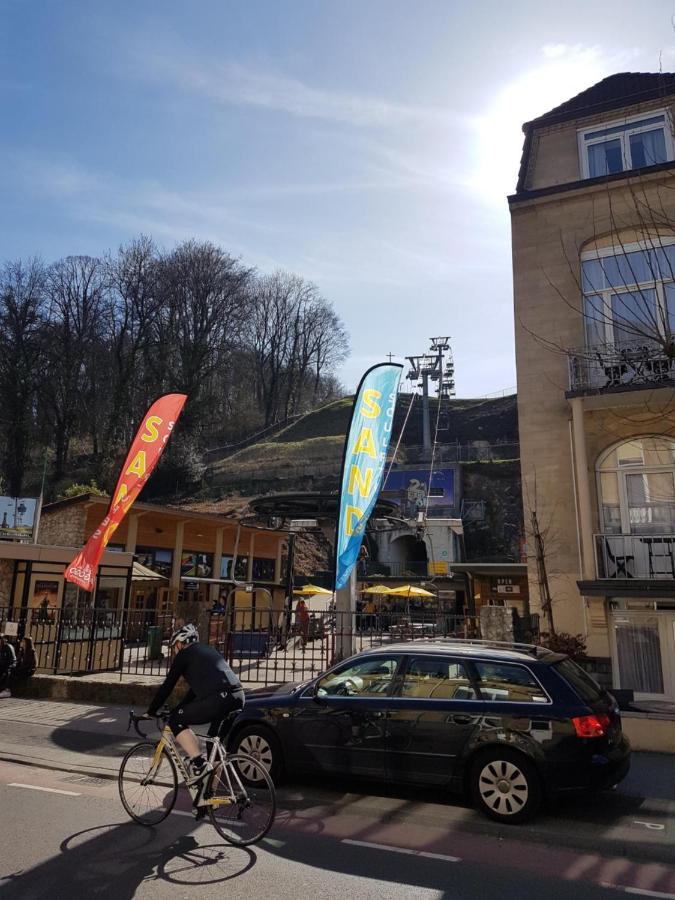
[238,794]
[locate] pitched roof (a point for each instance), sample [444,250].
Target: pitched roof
[621,89]
[613,92]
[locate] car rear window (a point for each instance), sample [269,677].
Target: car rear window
[585,686]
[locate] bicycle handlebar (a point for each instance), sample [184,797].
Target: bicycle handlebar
[160,718]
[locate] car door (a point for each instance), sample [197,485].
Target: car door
[435,711]
[339,722]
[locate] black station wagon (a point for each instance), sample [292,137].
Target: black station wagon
[509,724]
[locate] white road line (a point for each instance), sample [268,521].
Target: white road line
[425,853]
[35,787]
[640,892]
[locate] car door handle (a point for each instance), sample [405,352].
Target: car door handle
[379,715]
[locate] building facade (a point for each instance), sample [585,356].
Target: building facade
[593,232]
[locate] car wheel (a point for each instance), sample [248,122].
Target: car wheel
[505,786]
[260,743]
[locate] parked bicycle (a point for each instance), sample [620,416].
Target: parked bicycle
[238,794]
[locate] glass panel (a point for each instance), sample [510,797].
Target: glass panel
[611,508]
[626,269]
[225,564]
[585,686]
[630,453]
[648,148]
[651,502]
[627,126]
[669,293]
[370,677]
[592,275]
[263,569]
[605,158]
[595,321]
[634,316]
[639,656]
[666,261]
[506,683]
[437,677]
[196,565]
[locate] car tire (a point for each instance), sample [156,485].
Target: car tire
[263,745]
[505,785]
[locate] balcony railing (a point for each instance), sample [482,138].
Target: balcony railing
[626,556]
[612,365]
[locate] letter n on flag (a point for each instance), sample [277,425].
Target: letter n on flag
[144,453]
[364,460]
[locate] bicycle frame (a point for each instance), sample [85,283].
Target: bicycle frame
[216,757]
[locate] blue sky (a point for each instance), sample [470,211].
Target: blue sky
[368,146]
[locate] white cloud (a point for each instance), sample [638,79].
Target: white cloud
[246,85]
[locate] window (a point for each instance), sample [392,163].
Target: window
[154,558]
[196,565]
[508,683]
[585,686]
[636,484]
[633,143]
[263,569]
[629,294]
[437,677]
[367,678]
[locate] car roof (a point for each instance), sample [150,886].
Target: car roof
[469,648]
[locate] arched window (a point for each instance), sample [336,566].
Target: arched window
[636,486]
[629,291]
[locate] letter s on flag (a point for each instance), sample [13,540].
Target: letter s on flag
[142,457]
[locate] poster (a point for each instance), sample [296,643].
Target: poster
[17,518]
[45,600]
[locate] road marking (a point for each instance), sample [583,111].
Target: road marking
[425,853]
[35,787]
[653,826]
[641,892]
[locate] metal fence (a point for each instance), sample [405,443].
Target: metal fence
[263,646]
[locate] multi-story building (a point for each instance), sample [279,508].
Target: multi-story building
[593,230]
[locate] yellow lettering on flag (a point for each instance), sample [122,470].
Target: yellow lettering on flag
[352,516]
[370,409]
[365,443]
[365,482]
[137,467]
[121,494]
[109,533]
[151,424]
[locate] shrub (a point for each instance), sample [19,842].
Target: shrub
[75,489]
[573,645]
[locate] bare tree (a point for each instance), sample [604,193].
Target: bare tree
[21,299]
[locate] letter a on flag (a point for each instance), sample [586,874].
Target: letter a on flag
[144,453]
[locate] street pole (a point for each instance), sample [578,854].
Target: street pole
[345,618]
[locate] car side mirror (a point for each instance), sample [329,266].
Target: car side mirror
[316,693]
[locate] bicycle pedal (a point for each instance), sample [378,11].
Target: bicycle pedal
[200,813]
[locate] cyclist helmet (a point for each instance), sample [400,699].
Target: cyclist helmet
[186,634]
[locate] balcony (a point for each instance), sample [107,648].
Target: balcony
[625,556]
[607,366]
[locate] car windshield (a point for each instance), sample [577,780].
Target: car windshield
[585,686]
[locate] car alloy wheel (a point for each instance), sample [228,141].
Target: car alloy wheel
[256,746]
[505,785]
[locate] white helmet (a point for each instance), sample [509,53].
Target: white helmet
[186,634]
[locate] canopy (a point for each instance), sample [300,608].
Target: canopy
[410,590]
[377,589]
[143,573]
[311,590]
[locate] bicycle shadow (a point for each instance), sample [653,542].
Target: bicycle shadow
[112,861]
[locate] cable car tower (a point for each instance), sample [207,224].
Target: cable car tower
[438,366]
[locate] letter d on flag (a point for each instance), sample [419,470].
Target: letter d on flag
[364,460]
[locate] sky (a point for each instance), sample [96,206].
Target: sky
[366,145]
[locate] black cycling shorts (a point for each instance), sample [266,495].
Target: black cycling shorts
[211,709]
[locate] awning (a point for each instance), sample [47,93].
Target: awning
[143,573]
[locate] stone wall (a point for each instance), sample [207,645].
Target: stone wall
[63,527]
[6,573]
[496,623]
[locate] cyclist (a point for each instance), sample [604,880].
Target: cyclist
[214,692]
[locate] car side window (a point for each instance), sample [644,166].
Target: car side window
[367,678]
[503,682]
[437,678]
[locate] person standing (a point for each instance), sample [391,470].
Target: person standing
[26,661]
[7,664]
[302,620]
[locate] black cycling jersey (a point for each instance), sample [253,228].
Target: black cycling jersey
[204,669]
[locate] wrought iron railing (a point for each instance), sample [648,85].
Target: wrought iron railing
[626,556]
[606,366]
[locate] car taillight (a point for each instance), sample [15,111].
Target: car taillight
[591,726]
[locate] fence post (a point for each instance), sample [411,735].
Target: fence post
[345,610]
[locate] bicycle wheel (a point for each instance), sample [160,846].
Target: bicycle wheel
[147,793]
[241,812]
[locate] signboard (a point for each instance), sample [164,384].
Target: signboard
[17,518]
[412,490]
[11,629]
[505,585]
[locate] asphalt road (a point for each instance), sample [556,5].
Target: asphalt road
[65,833]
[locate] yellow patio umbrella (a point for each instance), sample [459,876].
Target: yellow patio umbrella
[311,590]
[377,589]
[410,590]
